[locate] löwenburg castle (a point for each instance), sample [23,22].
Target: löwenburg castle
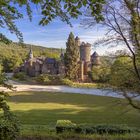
[35,66]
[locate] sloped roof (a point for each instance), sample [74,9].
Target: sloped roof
[50,60]
[77,38]
[95,54]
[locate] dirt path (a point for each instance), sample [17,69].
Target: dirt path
[66,89]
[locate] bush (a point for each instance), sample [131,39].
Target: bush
[49,79]
[66,125]
[9,125]
[43,78]
[20,75]
[9,129]
[122,75]
[67,82]
[57,80]
[100,74]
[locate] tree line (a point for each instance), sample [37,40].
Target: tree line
[14,54]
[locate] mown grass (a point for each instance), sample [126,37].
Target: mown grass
[44,108]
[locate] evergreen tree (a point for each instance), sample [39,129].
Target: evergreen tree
[71,58]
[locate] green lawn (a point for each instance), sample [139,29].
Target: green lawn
[44,108]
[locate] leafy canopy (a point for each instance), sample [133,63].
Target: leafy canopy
[50,9]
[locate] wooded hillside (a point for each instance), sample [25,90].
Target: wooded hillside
[14,54]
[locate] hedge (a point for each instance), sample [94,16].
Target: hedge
[66,125]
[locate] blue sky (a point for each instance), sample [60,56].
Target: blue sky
[56,33]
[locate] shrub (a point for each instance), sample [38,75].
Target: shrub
[9,129]
[49,79]
[64,125]
[67,82]
[20,75]
[9,126]
[100,74]
[43,78]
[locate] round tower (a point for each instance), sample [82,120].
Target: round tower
[85,50]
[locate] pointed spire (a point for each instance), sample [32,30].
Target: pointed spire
[30,53]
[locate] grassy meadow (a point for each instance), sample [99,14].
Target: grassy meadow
[44,109]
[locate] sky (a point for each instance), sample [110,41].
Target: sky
[56,33]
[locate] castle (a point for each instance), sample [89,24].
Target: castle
[35,66]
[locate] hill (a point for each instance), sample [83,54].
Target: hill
[14,54]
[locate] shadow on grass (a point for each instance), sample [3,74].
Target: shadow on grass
[45,108]
[63,98]
[49,117]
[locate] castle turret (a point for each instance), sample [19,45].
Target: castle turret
[30,57]
[77,40]
[31,53]
[95,59]
[85,50]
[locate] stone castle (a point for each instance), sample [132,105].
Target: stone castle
[35,66]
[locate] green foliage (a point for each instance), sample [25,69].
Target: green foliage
[59,80]
[9,14]
[20,75]
[68,126]
[64,125]
[71,58]
[69,9]
[100,74]
[49,79]
[1,68]
[123,75]
[9,126]
[63,9]
[67,82]
[14,54]
[12,62]
[43,78]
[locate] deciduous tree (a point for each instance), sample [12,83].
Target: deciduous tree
[50,9]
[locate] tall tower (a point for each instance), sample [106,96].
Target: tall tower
[31,53]
[85,50]
[30,57]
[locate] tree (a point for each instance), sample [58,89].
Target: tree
[122,76]
[11,63]
[64,9]
[100,73]
[122,19]
[9,125]
[71,58]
